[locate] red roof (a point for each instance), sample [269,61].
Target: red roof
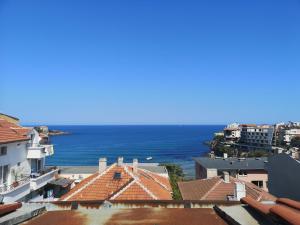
[8,208]
[286,211]
[140,185]
[216,189]
[10,132]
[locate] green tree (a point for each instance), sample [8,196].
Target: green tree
[175,174]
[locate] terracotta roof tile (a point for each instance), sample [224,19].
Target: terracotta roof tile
[142,185]
[10,132]
[216,189]
[261,208]
[135,192]
[8,208]
[286,211]
[196,189]
[287,214]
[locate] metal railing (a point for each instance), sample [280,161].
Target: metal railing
[8,188]
[43,172]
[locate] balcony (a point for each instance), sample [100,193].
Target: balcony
[40,179]
[15,191]
[39,151]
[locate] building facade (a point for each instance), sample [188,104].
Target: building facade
[257,137]
[22,163]
[232,132]
[250,170]
[284,172]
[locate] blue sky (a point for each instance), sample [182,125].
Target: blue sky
[150,62]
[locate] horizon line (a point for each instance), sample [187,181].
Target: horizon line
[173,124]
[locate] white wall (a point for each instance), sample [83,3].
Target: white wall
[16,152]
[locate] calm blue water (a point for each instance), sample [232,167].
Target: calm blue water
[173,144]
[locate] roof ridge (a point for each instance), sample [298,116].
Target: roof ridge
[212,188]
[140,184]
[89,183]
[128,185]
[155,179]
[130,173]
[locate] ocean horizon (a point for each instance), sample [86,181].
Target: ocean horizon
[85,144]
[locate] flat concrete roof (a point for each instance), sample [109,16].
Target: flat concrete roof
[152,167]
[232,163]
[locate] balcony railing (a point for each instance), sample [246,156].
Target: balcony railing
[8,188]
[39,151]
[41,178]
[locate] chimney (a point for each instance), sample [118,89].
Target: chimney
[120,161]
[239,191]
[226,177]
[135,164]
[102,164]
[225,155]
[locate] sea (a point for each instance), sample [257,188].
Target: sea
[178,144]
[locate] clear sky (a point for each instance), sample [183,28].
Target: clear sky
[150,61]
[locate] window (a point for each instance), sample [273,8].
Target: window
[3,174]
[258,183]
[117,176]
[3,150]
[242,173]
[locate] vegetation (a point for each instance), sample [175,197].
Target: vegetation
[219,147]
[295,142]
[257,153]
[176,174]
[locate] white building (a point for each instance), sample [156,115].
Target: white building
[289,134]
[232,132]
[22,163]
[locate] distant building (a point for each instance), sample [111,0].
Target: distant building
[287,134]
[257,136]
[232,132]
[284,172]
[23,174]
[224,188]
[251,170]
[121,181]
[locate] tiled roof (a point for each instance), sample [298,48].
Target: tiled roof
[10,132]
[8,208]
[216,189]
[285,211]
[140,185]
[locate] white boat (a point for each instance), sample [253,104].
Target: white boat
[149,158]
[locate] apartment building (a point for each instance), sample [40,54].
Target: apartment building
[257,136]
[23,174]
[250,170]
[232,132]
